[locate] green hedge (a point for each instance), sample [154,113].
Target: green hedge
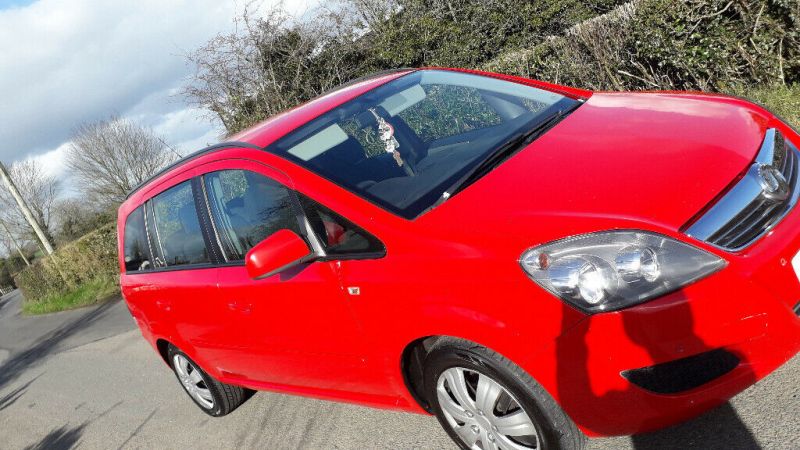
[708,45]
[91,259]
[781,100]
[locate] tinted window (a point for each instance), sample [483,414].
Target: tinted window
[247,208]
[401,145]
[137,254]
[338,235]
[178,235]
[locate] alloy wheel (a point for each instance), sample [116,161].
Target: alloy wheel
[483,413]
[192,381]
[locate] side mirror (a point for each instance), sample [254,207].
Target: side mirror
[282,250]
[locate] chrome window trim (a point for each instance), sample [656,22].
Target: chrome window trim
[158,262]
[145,210]
[204,194]
[744,193]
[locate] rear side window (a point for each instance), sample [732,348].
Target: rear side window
[179,239]
[137,252]
[247,208]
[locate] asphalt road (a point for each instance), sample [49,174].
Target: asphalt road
[86,379]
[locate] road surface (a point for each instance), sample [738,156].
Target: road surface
[86,379]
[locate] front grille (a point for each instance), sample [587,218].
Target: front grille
[758,216]
[757,202]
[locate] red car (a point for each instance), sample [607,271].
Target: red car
[529,262]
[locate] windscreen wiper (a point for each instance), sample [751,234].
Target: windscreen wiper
[508,148]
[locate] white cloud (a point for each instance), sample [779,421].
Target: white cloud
[64,62]
[189,130]
[185,126]
[53,162]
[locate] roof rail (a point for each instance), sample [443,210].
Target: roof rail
[187,158]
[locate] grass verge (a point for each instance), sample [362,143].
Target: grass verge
[781,100]
[86,294]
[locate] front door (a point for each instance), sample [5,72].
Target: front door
[296,327]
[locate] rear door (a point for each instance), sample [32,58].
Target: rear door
[295,327]
[178,285]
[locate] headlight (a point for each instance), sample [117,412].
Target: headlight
[612,270]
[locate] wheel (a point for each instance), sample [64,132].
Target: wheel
[214,398]
[486,402]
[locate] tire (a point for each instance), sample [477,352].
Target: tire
[214,398]
[522,417]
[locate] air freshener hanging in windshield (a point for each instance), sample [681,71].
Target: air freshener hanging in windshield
[386,134]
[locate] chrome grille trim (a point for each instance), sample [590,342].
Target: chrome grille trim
[746,212]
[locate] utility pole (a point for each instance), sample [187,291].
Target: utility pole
[16,244]
[23,206]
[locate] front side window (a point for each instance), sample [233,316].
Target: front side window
[403,144]
[178,237]
[339,236]
[247,208]
[137,252]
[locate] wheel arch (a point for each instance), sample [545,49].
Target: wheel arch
[413,358]
[411,367]
[162,343]
[162,346]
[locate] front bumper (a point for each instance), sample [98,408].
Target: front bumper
[747,310]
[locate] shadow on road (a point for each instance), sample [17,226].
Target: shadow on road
[138,429]
[17,364]
[10,398]
[62,438]
[702,433]
[66,437]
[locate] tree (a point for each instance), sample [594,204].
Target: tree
[110,157]
[373,13]
[39,190]
[271,63]
[6,280]
[75,217]
[18,251]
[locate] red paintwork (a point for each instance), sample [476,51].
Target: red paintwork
[280,249]
[647,161]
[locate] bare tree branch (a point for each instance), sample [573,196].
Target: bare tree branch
[271,63]
[111,157]
[40,192]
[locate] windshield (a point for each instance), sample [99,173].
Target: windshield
[404,143]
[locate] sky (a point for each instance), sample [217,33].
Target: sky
[65,62]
